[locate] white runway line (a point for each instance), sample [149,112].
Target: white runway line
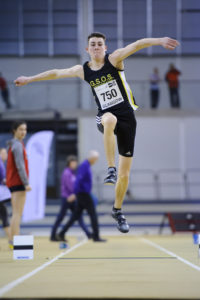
[16,282]
[185,261]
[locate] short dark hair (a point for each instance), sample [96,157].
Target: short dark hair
[70,158]
[16,124]
[98,35]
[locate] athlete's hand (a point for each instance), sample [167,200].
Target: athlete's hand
[71,198]
[168,43]
[28,188]
[22,80]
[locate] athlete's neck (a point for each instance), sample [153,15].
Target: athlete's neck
[96,64]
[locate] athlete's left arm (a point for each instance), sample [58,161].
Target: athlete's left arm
[120,54]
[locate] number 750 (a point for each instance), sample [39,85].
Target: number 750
[109,94]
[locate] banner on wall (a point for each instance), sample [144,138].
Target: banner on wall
[38,148]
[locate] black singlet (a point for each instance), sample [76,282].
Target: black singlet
[110,88]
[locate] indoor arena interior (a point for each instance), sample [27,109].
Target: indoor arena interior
[93,206]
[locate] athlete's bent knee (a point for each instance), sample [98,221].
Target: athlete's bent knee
[109,121]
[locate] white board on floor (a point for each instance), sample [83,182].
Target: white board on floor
[23,247]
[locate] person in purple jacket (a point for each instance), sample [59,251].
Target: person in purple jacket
[4,193]
[68,198]
[82,189]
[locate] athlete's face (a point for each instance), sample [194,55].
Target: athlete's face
[96,48]
[20,132]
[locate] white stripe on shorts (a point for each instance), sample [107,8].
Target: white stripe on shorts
[98,119]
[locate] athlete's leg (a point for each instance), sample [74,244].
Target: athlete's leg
[123,180]
[109,122]
[126,131]
[120,191]
[18,201]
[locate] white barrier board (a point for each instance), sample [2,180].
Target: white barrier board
[23,247]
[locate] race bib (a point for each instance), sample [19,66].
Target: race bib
[108,94]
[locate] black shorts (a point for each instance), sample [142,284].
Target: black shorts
[125,131]
[17,188]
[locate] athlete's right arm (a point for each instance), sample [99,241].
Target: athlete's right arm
[75,71]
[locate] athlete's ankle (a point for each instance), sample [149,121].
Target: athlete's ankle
[116,209]
[112,168]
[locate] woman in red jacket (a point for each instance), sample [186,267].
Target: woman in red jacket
[17,175]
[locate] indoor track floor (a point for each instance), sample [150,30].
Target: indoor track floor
[126,266]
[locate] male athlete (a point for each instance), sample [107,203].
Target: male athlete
[115,102]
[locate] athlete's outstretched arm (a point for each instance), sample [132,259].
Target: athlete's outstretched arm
[75,71]
[120,54]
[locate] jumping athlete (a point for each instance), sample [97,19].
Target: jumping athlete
[115,102]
